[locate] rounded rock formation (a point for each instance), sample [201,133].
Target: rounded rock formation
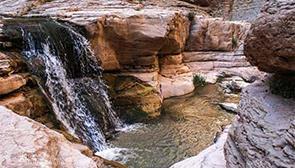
[270,44]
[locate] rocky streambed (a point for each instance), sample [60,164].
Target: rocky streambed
[188,125]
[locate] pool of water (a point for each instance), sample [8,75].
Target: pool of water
[188,125]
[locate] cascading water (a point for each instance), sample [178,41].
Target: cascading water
[70,76]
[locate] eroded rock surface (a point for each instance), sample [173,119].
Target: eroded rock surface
[270,44]
[245,9]
[133,99]
[26,143]
[263,134]
[215,34]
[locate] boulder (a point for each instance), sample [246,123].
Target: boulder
[263,134]
[270,44]
[177,86]
[13,83]
[26,143]
[133,99]
[214,34]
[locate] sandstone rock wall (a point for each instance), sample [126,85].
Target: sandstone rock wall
[270,44]
[245,9]
[263,135]
[18,90]
[163,46]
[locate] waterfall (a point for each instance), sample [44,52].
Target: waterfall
[70,76]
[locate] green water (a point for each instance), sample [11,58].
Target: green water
[187,126]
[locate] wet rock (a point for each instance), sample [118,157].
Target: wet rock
[263,134]
[270,44]
[214,34]
[10,63]
[26,143]
[28,103]
[13,83]
[231,107]
[134,99]
[212,157]
[233,84]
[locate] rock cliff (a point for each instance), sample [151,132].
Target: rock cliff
[270,44]
[163,45]
[263,134]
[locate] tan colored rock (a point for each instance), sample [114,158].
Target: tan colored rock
[134,99]
[177,86]
[270,44]
[12,83]
[133,42]
[26,143]
[9,63]
[171,65]
[151,78]
[213,34]
[30,103]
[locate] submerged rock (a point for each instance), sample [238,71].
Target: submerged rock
[212,157]
[26,143]
[263,134]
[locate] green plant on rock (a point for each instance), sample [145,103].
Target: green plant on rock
[199,81]
[234,42]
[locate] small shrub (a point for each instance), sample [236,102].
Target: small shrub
[199,81]
[234,42]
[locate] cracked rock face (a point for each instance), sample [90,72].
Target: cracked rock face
[26,143]
[263,134]
[270,44]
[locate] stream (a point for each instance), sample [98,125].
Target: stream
[188,125]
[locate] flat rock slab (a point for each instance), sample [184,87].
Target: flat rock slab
[26,143]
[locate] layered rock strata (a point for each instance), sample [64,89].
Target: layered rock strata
[17,89]
[270,44]
[263,134]
[161,46]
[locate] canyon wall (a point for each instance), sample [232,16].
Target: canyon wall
[163,47]
[263,134]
